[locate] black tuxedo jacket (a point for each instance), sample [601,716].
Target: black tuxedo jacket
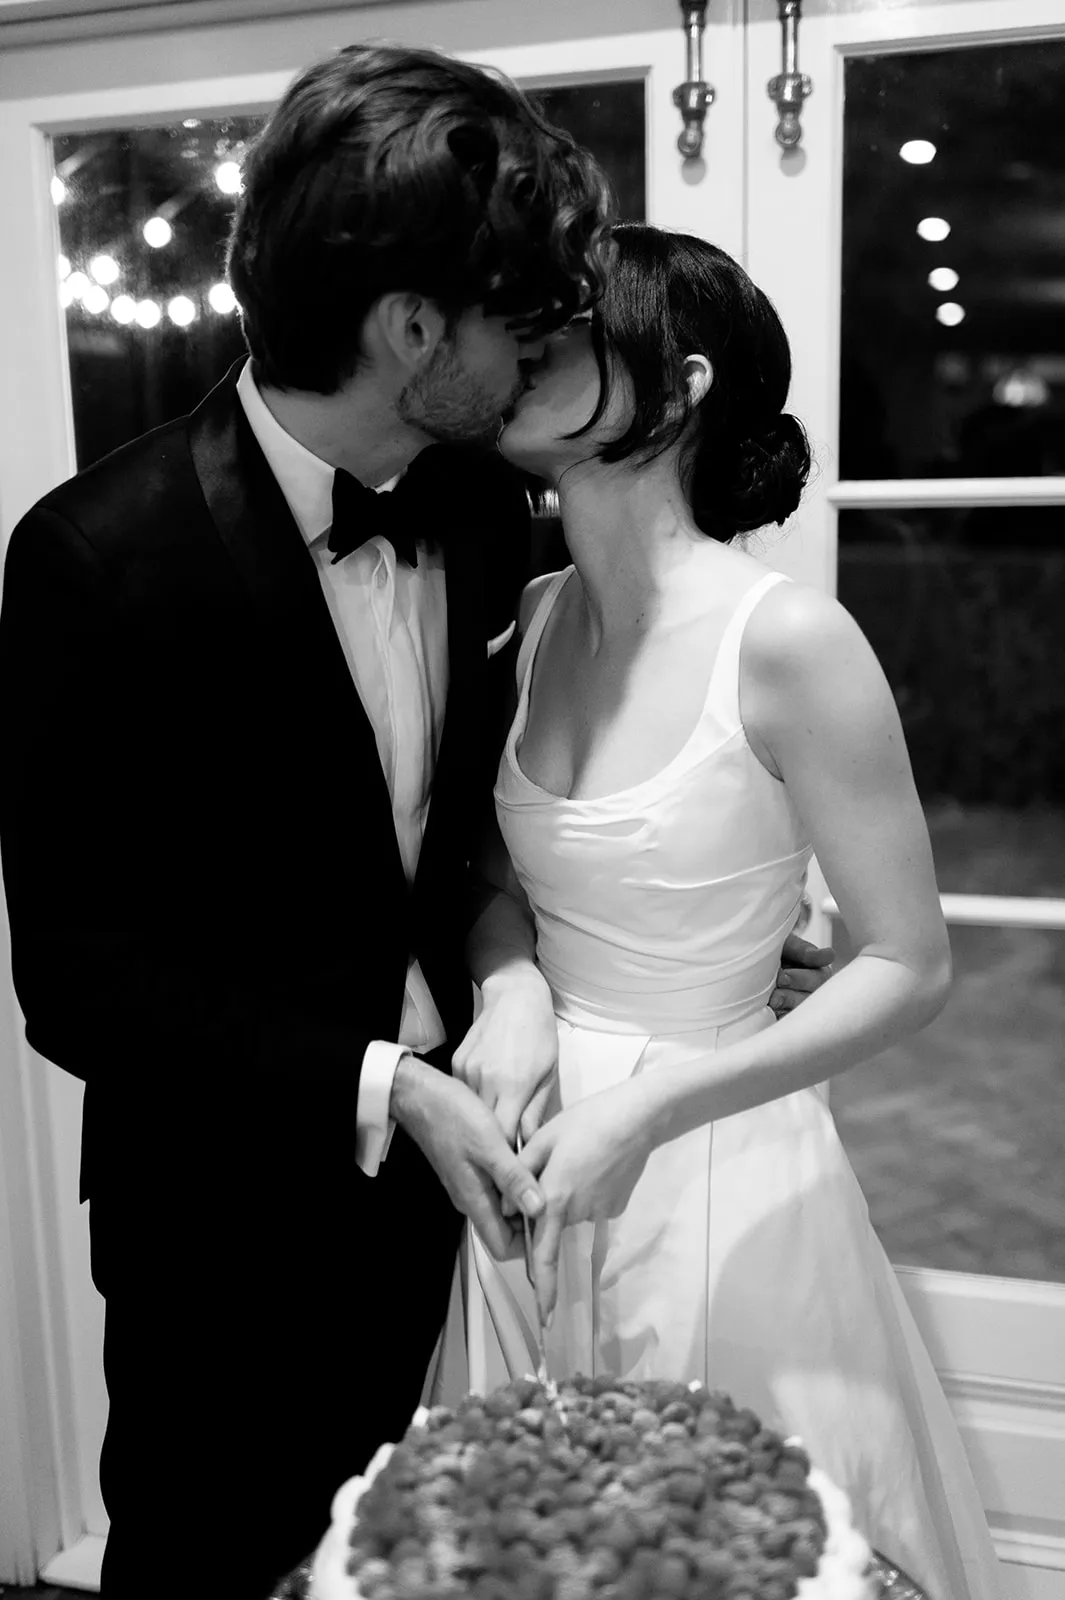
[209,915]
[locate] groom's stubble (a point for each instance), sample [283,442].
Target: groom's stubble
[453,405]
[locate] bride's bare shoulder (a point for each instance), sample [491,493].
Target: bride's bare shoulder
[806,668]
[796,625]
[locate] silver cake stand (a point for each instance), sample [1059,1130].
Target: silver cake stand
[893,1584]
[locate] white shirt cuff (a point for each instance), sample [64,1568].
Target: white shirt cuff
[373,1125]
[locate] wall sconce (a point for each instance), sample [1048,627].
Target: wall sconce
[791,87]
[693,97]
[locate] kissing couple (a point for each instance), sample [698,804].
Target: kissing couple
[297,752]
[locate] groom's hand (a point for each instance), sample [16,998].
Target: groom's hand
[464,1144]
[803,969]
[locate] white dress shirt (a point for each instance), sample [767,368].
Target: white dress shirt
[391,621]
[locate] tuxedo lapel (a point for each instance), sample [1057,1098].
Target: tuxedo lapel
[466,650]
[265,545]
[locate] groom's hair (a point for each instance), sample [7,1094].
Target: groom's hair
[386,169]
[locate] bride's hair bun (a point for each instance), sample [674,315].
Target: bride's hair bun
[670,296]
[736,486]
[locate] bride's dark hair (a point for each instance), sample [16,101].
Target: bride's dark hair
[669,296]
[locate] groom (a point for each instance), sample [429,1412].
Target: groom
[252,709]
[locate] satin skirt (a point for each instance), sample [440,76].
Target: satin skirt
[746,1259]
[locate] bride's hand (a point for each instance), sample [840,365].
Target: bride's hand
[588,1160]
[510,1055]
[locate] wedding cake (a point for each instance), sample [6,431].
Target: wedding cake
[594,1490]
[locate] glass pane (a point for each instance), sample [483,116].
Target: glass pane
[954,1135]
[953,343]
[964,609]
[608,119]
[143,219]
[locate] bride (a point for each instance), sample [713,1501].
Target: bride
[690,728]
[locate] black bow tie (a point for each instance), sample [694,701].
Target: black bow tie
[360,513]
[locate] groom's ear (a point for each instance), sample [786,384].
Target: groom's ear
[406,329]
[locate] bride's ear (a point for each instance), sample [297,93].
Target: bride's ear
[698,375]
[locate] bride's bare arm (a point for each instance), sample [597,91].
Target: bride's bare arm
[820,714]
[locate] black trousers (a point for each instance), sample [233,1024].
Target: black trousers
[263,1335]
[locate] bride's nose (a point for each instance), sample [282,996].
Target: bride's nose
[531,353]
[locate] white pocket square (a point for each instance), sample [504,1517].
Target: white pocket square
[496,644]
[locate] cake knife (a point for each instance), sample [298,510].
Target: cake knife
[542,1374]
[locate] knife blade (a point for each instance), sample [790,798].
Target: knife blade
[542,1374]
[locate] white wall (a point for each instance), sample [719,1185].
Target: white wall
[271,43]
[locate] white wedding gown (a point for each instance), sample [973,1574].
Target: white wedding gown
[745,1257]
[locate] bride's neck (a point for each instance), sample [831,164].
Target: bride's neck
[631,537]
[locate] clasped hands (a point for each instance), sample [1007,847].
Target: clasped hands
[581,1164]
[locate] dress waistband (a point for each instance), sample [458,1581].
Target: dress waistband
[702,1032]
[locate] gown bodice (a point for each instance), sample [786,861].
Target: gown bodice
[662,908]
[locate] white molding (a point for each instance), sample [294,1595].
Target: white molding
[144,104]
[1030,1549]
[999,1329]
[19,1305]
[990,911]
[77,1567]
[996,1344]
[906,494]
[1018,1393]
[33,22]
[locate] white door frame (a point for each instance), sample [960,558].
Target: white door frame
[998,1344]
[50,1375]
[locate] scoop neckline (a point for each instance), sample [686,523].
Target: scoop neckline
[518,732]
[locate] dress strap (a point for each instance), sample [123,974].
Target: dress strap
[723,691]
[537,624]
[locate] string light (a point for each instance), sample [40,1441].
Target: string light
[221,299]
[950,314]
[91,287]
[181,311]
[105,269]
[918,152]
[943,278]
[227,176]
[934,229]
[157,232]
